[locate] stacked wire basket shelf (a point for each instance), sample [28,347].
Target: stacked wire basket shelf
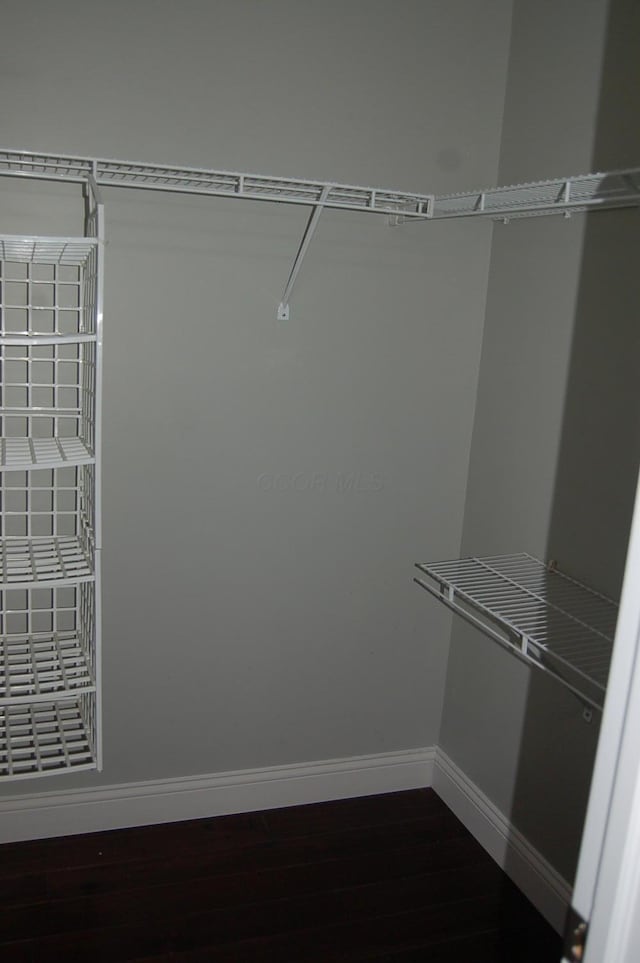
[49,563]
[546,618]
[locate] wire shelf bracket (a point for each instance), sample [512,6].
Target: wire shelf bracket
[283,307]
[547,619]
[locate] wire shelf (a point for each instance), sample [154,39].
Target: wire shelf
[48,345]
[47,502]
[57,610]
[548,619]
[565,195]
[64,251]
[47,403]
[50,532]
[45,562]
[194,180]
[57,375]
[42,667]
[44,739]
[22,454]
[46,286]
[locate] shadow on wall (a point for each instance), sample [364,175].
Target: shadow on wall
[597,469]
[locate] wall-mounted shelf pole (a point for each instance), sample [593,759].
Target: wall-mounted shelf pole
[283,307]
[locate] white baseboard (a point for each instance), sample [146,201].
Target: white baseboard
[45,814]
[39,815]
[549,892]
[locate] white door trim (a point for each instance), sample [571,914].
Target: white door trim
[607,888]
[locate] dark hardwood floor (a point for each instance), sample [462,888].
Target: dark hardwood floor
[393,877]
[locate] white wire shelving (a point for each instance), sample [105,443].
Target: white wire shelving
[555,196]
[45,562]
[214,183]
[47,251]
[49,674]
[21,454]
[565,195]
[50,402]
[50,531]
[35,668]
[48,338]
[42,739]
[546,618]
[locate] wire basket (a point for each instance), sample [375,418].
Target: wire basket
[48,639]
[43,738]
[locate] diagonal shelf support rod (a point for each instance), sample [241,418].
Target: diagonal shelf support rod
[283,307]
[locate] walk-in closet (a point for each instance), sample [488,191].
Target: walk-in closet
[320,427]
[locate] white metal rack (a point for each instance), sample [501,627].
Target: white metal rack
[546,618]
[40,739]
[50,532]
[564,195]
[194,180]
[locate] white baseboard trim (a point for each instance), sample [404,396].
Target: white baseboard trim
[549,892]
[40,815]
[44,814]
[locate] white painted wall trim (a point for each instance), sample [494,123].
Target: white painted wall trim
[39,815]
[530,871]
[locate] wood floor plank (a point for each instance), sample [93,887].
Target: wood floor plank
[213,835]
[425,934]
[311,947]
[392,877]
[255,894]
[382,810]
[394,852]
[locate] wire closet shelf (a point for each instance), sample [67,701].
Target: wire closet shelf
[215,183]
[43,739]
[48,335]
[564,195]
[546,618]
[50,533]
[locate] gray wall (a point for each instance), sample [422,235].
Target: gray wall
[556,436]
[257,611]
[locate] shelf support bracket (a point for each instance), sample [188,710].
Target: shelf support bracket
[283,307]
